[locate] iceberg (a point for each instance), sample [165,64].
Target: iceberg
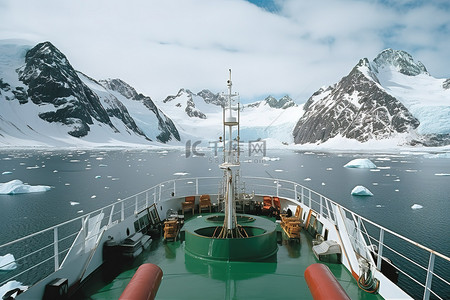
[10,286]
[360,190]
[18,187]
[362,163]
[416,206]
[7,262]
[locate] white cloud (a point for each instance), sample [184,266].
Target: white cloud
[161,46]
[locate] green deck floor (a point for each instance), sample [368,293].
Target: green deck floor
[186,277]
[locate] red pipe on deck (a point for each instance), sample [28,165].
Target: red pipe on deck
[322,283]
[144,284]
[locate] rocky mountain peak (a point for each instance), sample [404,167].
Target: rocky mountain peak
[446,84]
[53,83]
[282,103]
[211,98]
[402,61]
[120,86]
[357,108]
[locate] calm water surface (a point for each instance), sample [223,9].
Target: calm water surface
[83,181]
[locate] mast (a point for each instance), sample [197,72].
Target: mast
[231,164]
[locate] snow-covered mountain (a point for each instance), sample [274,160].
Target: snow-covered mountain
[393,96]
[44,101]
[144,111]
[199,116]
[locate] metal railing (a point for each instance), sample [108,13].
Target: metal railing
[425,273]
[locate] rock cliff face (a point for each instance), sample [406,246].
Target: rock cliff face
[54,84]
[446,84]
[211,98]
[358,107]
[167,129]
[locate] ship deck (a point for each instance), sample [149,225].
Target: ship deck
[186,277]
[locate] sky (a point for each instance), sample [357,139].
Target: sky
[274,47]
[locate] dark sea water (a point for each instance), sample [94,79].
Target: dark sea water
[97,178]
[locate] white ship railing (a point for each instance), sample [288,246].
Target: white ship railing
[424,272]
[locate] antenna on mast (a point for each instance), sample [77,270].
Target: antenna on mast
[230,165]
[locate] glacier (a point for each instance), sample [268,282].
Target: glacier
[18,187]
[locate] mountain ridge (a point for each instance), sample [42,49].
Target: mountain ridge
[368,104]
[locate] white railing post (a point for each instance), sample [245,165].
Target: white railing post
[302,196]
[111,215]
[309,198]
[154,195]
[426,294]
[122,211]
[174,188]
[146,199]
[295,192]
[136,205]
[55,248]
[196,186]
[160,191]
[321,206]
[380,249]
[278,187]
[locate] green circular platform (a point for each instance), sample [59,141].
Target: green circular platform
[260,243]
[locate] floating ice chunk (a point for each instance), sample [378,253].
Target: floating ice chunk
[383,158]
[74,203]
[266,158]
[180,174]
[55,171]
[7,262]
[98,176]
[416,206]
[93,196]
[442,174]
[11,285]
[278,170]
[329,169]
[411,171]
[307,179]
[102,165]
[323,183]
[362,163]
[384,168]
[18,187]
[74,160]
[31,168]
[6,173]
[67,184]
[360,190]
[80,212]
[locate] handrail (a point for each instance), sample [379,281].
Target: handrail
[181,187]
